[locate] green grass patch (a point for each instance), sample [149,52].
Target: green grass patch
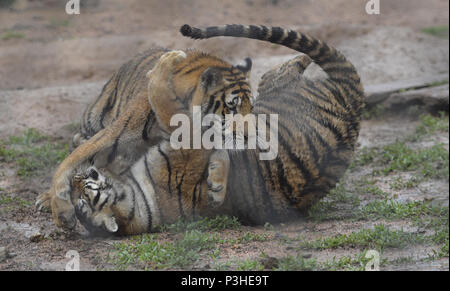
[430,162]
[379,238]
[364,157]
[249,265]
[32,152]
[373,190]
[297,263]
[438,31]
[399,183]
[217,223]
[11,35]
[6,200]
[330,208]
[440,225]
[55,23]
[146,250]
[357,262]
[430,124]
[246,238]
[390,209]
[372,112]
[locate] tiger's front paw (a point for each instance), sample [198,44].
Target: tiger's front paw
[93,208]
[217,178]
[43,202]
[61,207]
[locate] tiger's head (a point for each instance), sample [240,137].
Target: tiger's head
[205,81]
[214,84]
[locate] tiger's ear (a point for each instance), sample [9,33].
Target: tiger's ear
[246,68]
[211,78]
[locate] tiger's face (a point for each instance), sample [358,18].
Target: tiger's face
[94,203]
[227,90]
[219,89]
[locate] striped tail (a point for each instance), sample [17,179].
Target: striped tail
[334,63]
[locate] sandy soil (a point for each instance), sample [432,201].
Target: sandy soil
[58,63]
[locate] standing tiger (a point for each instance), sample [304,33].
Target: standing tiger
[318,123]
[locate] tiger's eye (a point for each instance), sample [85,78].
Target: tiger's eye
[93,174]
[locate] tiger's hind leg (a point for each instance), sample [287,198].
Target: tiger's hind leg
[219,164]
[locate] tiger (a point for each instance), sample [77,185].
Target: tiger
[318,124]
[124,122]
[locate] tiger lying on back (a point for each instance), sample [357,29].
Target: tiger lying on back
[124,121]
[318,128]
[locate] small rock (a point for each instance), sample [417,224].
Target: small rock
[278,236]
[431,99]
[380,92]
[306,256]
[269,263]
[36,237]
[4,254]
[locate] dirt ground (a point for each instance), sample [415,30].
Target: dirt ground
[53,64]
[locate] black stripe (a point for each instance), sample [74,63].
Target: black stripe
[103,203]
[144,68]
[351,86]
[125,83]
[310,130]
[194,204]
[115,196]
[149,122]
[265,194]
[192,61]
[277,33]
[193,69]
[234,30]
[210,103]
[292,37]
[169,170]
[133,203]
[314,43]
[147,206]
[112,154]
[296,160]
[249,176]
[269,173]
[216,106]
[180,203]
[304,102]
[96,198]
[286,188]
[264,32]
[212,31]
[108,106]
[255,32]
[325,55]
[90,108]
[335,92]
